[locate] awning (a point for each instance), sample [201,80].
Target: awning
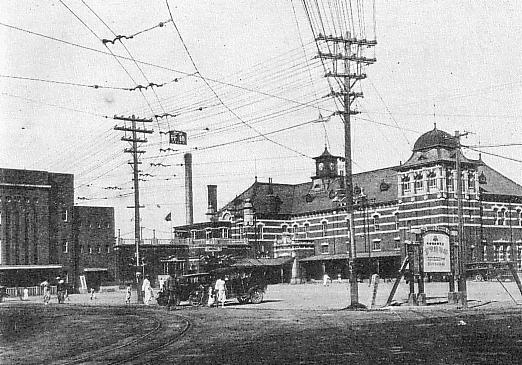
[262,262]
[94,269]
[30,267]
[345,256]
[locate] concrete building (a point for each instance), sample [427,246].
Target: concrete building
[418,194]
[40,236]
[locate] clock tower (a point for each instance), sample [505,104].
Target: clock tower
[328,166]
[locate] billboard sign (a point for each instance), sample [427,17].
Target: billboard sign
[436,252]
[177,137]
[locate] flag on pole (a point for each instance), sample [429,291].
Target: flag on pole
[168,217]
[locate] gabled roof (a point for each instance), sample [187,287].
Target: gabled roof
[378,186]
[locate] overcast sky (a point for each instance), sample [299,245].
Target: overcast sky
[456,63]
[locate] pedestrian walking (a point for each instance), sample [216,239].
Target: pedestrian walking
[93,294]
[339,280]
[46,292]
[128,294]
[26,294]
[147,290]
[172,288]
[326,279]
[60,291]
[211,298]
[220,287]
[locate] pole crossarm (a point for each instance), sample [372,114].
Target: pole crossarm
[137,130]
[350,41]
[342,57]
[133,119]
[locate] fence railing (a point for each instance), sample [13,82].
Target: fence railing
[182,241]
[33,291]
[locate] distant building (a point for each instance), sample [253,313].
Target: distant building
[310,219]
[94,244]
[40,236]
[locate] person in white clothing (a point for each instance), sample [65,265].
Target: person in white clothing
[326,279]
[221,291]
[147,291]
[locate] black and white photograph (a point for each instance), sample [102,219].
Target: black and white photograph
[260,182]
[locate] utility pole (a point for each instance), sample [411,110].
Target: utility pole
[461,252]
[346,54]
[134,139]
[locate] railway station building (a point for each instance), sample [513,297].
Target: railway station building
[309,221]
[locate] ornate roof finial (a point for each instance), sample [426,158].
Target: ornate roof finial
[434,125]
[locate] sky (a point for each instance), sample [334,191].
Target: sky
[255,110]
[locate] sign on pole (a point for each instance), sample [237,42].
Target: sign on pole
[436,252]
[177,137]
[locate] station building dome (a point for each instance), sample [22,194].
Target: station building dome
[435,138]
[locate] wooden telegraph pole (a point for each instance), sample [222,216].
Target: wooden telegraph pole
[462,296]
[134,139]
[347,67]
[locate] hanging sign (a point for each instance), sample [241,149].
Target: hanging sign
[436,252]
[177,137]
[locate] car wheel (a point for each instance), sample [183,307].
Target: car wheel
[194,300]
[243,300]
[479,277]
[256,297]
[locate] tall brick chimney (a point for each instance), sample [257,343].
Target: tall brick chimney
[189,200]
[212,202]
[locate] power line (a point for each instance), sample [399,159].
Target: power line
[218,97]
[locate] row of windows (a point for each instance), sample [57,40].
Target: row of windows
[375,246]
[503,216]
[96,224]
[430,182]
[92,249]
[88,249]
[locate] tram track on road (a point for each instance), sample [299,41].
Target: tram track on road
[155,348]
[133,349]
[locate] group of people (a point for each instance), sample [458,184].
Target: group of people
[62,293]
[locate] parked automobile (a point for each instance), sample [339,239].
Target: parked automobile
[246,284]
[190,289]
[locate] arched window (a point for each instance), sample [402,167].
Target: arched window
[324,228]
[284,228]
[505,216]
[376,223]
[471,181]
[295,230]
[306,229]
[260,231]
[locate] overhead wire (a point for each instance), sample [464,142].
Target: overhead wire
[218,97]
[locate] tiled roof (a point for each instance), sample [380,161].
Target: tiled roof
[497,183]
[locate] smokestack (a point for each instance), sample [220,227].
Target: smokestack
[189,206]
[212,202]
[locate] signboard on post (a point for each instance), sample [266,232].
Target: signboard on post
[177,137]
[436,252]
